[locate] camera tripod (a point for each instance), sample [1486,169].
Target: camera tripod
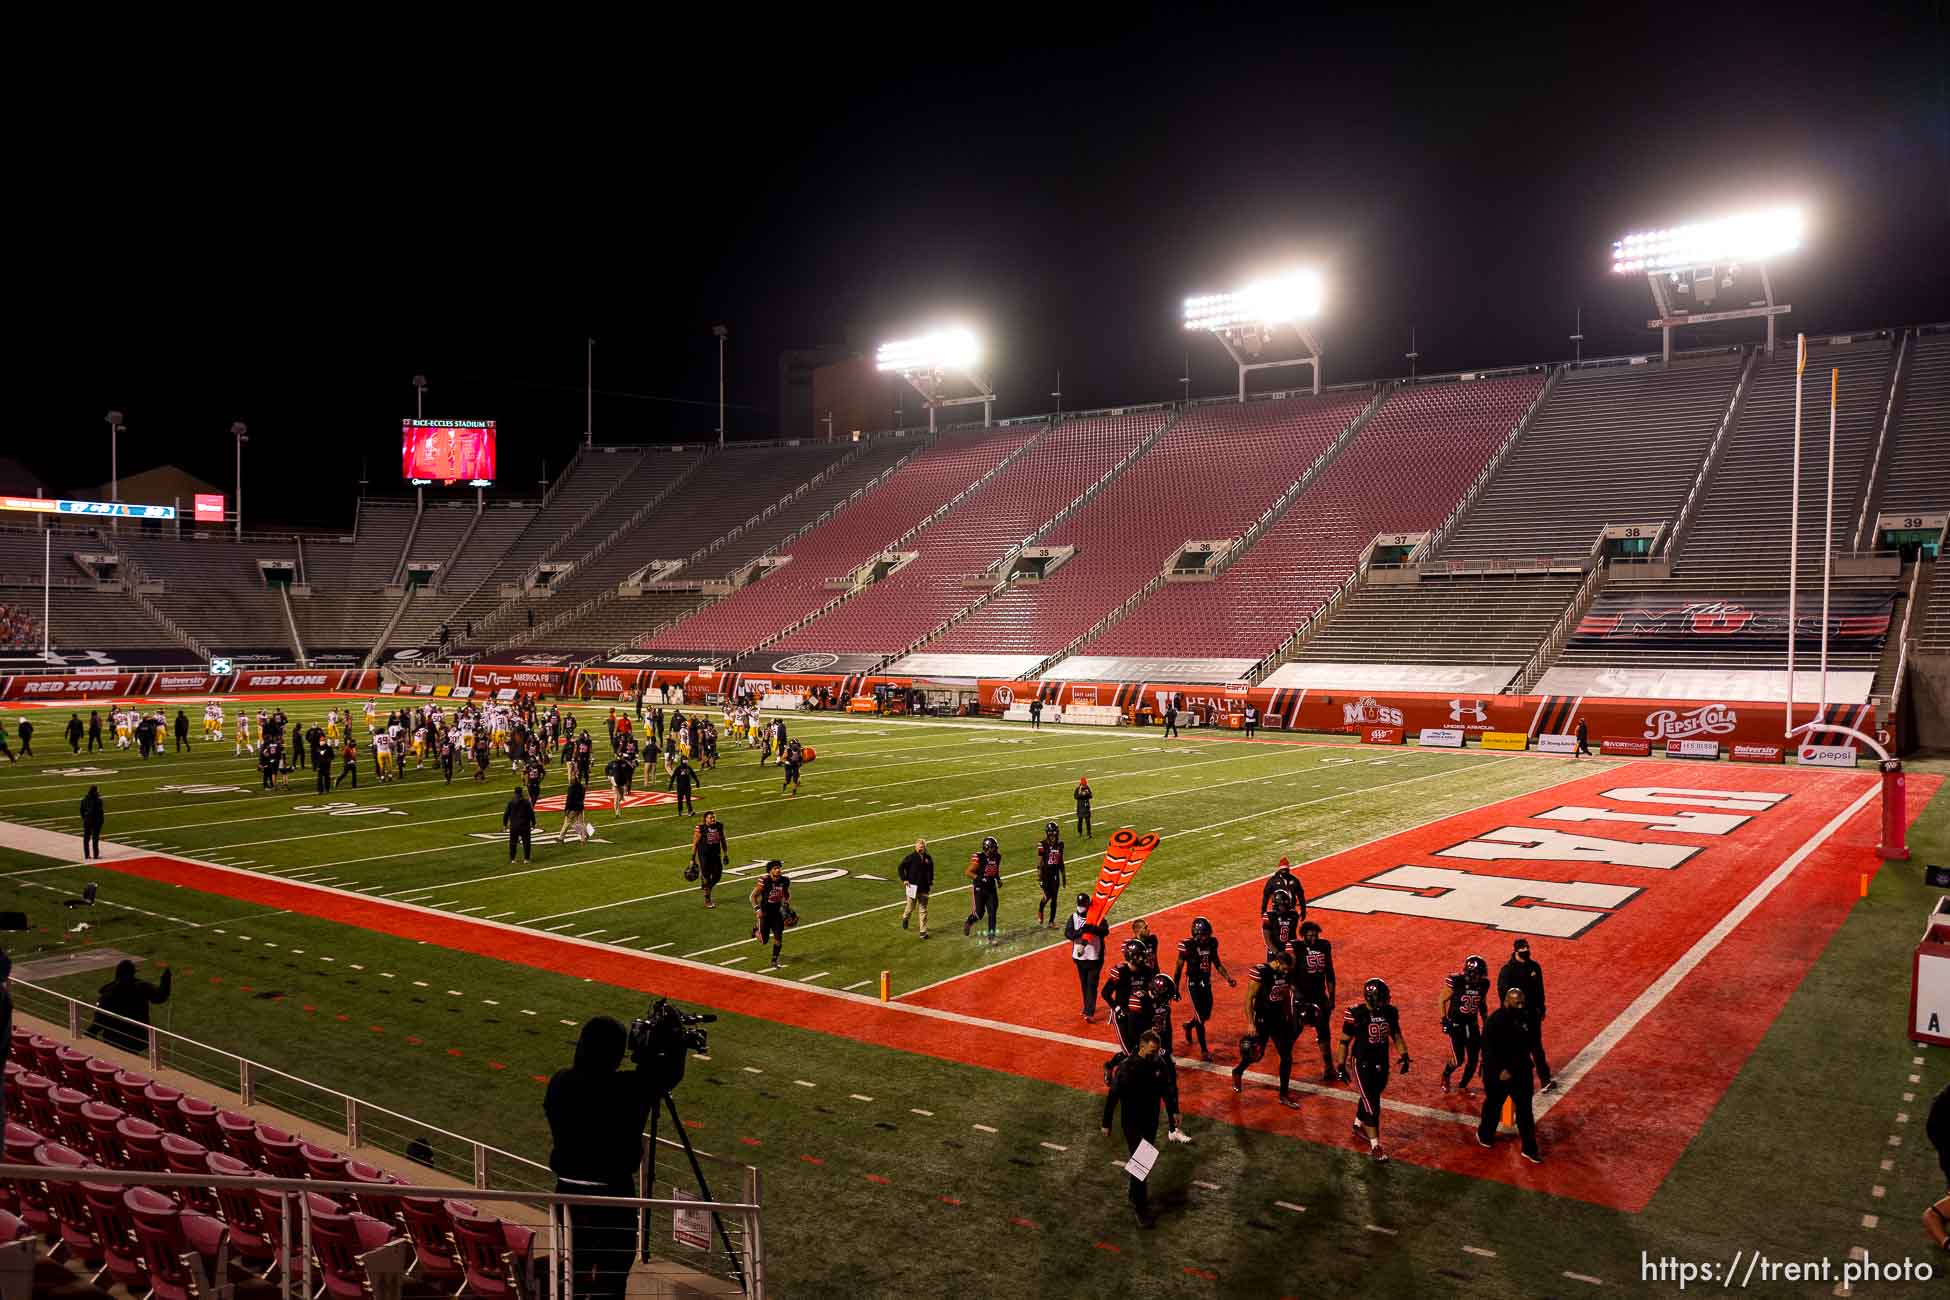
[669,1102]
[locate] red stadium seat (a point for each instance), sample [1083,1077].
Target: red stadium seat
[255,1247]
[74,1070]
[129,1087]
[338,1240]
[238,1135]
[115,1228]
[101,1080]
[72,1219]
[493,1252]
[429,1223]
[162,1100]
[103,1142]
[279,1153]
[69,1122]
[37,1101]
[323,1163]
[375,1199]
[140,1143]
[197,1119]
[183,1155]
[167,1236]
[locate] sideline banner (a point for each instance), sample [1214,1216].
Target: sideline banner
[1506,740]
[1625,747]
[1557,744]
[1441,738]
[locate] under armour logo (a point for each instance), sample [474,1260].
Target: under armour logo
[1467,710]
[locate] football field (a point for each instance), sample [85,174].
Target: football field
[1727,967]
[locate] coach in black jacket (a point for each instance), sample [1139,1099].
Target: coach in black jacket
[917,870]
[519,818]
[1509,1042]
[1143,1083]
[1522,973]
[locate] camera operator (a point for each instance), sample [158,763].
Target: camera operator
[597,1112]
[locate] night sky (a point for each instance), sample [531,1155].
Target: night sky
[284,234]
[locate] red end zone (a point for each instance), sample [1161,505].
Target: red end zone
[1636,1083]
[1744,915]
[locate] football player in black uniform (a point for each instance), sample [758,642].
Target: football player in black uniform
[1372,1024]
[1313,977]
[709,844]
[1282,878]
[772,896]
[792,758]
[1274,1015]
[1281,928]
[1464,1005]
[1141,931]
[985,878]
[1198,957]
[1049,869]
[1127,994]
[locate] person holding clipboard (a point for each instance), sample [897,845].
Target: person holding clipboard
[1143,1083]
[917,876]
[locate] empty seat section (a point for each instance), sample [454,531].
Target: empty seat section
[1614,444]
[1403,472]
[849,539]
[1214,472]
[1442,620]
[906,605]
[1739,536]
[1917,476]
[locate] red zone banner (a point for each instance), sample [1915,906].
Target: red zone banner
[113,686]
[1674,907]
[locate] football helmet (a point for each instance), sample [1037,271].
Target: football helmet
[1375,994]
[1201,928]
[1282,900]
[989,845]
[1475,967]
[1133,951]
[1049,828]
[1162,988]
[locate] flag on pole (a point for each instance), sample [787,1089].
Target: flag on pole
[1126,853]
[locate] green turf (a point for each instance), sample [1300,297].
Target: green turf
[1785,1164]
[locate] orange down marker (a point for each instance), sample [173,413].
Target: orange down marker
[886,986]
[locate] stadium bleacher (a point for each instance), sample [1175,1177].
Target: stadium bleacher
[894,612]
[1613,444]
[904,501]
[1739,539]
[1917,476]
[1403,471]
[1128,532]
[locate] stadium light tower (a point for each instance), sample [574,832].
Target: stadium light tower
[936,366]
[241,432]
[114,419]
[1688,266]
[1251,324]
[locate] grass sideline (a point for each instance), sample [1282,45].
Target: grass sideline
[1786,1163]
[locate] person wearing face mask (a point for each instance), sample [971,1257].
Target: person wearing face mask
[1522,973]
